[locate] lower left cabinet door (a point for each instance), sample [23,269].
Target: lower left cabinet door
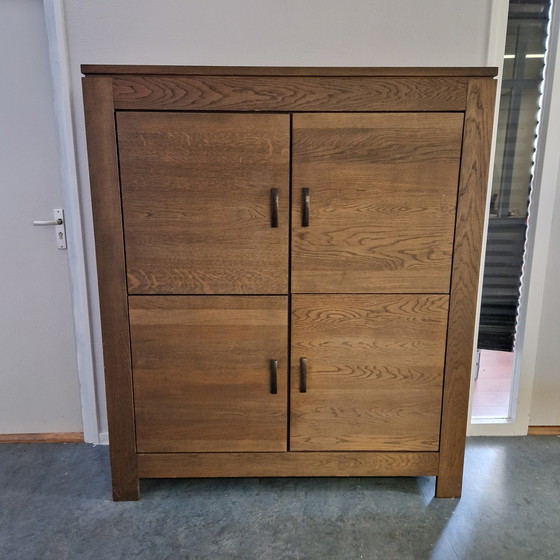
[209,372]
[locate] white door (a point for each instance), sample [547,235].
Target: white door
[39,391]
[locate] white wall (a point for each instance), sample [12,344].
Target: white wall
[264,32]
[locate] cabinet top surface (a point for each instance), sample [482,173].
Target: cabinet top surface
[401,71]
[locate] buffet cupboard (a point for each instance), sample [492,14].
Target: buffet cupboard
[288,264]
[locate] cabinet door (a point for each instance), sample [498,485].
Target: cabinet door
[199,205]
[374,372]
[382,197]
[202,373]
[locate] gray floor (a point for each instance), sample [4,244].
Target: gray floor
[55,503]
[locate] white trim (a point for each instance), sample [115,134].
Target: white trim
[60,79]
[497,34]
[495,57]
[537,248]
[539,239]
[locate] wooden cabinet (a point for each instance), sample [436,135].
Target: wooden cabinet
[288,265]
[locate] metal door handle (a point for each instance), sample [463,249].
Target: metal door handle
[58,222]
[274,377]
[303,375]
[305,207]
[274,208]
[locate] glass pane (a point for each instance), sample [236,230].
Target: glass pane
[517,127]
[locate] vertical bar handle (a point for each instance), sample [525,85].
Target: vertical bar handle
[305,207]
[274,208]
[273,377]
[303,375]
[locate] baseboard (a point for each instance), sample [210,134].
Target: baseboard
[543,431]
[57,437]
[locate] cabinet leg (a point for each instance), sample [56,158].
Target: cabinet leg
[449,485]
[126,492]
[124,470]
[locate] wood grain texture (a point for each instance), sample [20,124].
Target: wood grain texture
[197,203]
[206,465]
[383,190]
[244,93]
[111,274]
[201,372]
[407,71]
[464,283]
[375,370]
[376,361]
[543,431]
[56,437]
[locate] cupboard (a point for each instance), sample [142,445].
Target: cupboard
[288,265]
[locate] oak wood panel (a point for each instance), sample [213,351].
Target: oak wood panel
[375,369]
[464,283]
[111,274]
[363,71]
[383,190]
[543,431]
[196,194]
[201,372]
[56,437]
[245,93]
[169,465]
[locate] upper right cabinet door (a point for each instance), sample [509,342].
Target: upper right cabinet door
[373,202]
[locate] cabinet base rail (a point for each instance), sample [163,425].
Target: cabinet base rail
[285,464]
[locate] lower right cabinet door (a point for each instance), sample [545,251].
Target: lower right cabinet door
[367,371]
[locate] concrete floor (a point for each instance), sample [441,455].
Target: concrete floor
[55,503]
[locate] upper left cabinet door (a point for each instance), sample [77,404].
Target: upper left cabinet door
[205,202]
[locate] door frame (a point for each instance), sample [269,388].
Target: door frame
[546,173]
[60,83]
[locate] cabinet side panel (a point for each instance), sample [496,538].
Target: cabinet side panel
[106,203]
[473,183]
